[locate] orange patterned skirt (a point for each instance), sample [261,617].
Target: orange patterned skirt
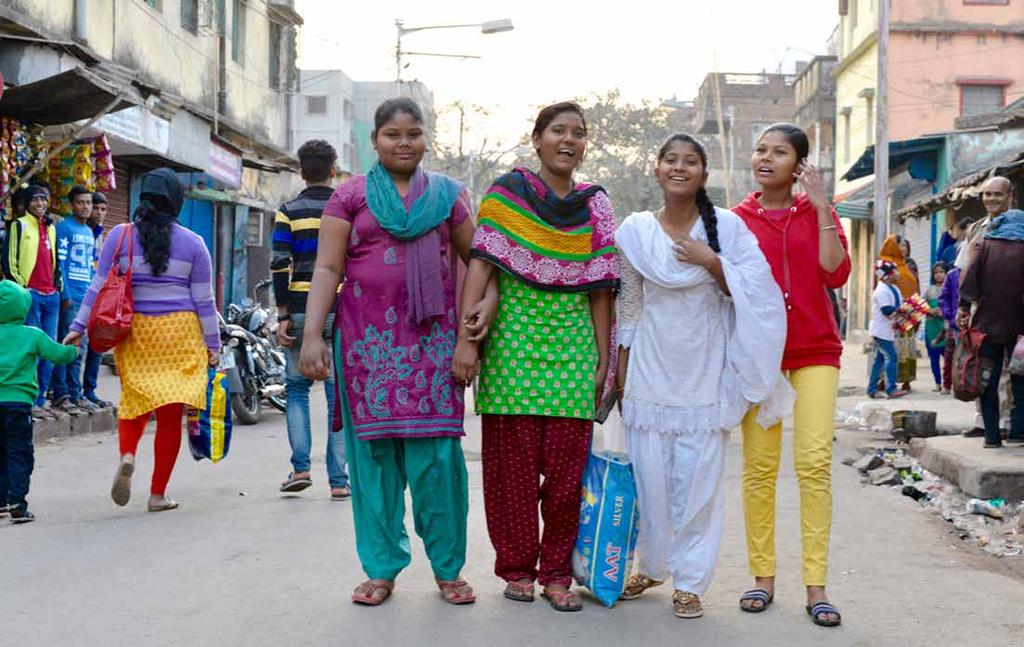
[163,361]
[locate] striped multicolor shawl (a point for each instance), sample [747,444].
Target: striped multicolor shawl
[561,244]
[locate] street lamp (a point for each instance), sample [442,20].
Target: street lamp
[489,27]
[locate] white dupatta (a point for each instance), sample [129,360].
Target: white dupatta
[755,312]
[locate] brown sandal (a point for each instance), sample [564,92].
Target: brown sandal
[636,585]
[519,591]
[686,605]
[367,592]
[456,591]
[564,600]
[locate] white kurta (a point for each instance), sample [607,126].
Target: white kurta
[698,361]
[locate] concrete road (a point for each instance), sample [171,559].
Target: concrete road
[238,564]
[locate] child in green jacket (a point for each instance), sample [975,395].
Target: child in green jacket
[20,350]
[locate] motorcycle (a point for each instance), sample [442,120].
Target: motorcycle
[252,360]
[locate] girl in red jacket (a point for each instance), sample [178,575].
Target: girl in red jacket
[803,241]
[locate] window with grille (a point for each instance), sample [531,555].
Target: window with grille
[981,99]
[190,15]
[254,229]
[316,105]
[274,47]
[238,31]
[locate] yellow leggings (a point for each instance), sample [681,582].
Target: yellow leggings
[813,427]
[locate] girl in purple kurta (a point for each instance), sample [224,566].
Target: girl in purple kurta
[391,234]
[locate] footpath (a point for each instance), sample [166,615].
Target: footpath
[978,472]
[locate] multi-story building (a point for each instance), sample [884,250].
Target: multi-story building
[196,85]
[815,96]
[329,105]
[744,104]
[947,58]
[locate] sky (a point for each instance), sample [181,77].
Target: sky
[647,49]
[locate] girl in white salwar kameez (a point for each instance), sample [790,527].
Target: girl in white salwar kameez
[701,328]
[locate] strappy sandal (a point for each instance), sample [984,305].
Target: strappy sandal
[636,585]
[366,593]
[293,484]
[519,591]
[562,600]
[686,605]
[456,592]
[817,611]
[756,595]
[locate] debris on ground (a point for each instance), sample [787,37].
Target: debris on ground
[994,525]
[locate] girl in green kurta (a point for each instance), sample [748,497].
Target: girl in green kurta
[545,363]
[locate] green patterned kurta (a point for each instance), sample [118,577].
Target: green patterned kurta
[541,356]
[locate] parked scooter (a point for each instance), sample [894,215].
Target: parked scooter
[252,360]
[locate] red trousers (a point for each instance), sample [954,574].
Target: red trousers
[166,445]
[518,451]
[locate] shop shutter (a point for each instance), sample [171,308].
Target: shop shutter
[119,200]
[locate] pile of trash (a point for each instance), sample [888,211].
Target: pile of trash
[996,526]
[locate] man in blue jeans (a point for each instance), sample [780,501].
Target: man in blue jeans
[296,229]
[884,302]
[93,359]
[993,284]
[29,258]
[76,250]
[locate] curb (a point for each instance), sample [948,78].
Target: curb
[65,425]
[976,477]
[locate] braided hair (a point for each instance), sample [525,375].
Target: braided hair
[705,207]
[154,220]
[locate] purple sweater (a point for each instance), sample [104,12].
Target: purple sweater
[949,298]
[184,287]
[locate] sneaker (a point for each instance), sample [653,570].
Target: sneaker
[937,389]
[21,514]
[102,404]
[3,509]
[86,405]
[1015,442]
[877,395]
[67,406]
[977,432]
[946,391]
[898,393]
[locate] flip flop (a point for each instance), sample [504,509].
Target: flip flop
[757,595]
[296,484]
[519,592]
[562,600]
[456,592]
[365,593]
[820,609]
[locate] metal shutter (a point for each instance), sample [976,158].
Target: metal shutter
[119,200]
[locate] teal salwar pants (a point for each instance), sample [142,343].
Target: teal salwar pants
[435,471]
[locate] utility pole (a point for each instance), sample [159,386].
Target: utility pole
[881,212]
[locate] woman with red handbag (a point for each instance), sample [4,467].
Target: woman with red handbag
[152,301]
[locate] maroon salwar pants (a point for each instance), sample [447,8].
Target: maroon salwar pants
[518,451]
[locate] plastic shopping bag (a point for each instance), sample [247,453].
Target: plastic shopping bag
[1017,358]
[609,520]
[209,431]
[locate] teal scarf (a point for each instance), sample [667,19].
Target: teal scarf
[428,211]
[416,226]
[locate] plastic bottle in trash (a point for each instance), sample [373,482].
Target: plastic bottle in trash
[977,506]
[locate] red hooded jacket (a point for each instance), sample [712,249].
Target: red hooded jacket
[789,240]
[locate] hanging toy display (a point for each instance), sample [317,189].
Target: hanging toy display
[21,146]
[103,165]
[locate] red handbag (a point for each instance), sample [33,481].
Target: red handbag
[971,371]
[110,320]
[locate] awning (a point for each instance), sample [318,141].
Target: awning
[78,93]
[209,195]
[857,203]
[956,193]
[900,153]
